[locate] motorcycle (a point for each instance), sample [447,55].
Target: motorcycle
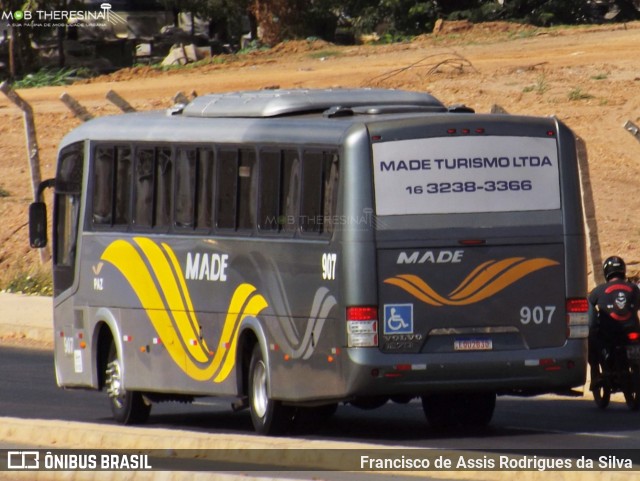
[619,371]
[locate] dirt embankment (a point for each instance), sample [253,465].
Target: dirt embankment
[588,77]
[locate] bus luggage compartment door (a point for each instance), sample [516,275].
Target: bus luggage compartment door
[482,298]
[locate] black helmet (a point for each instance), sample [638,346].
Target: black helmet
[614,266]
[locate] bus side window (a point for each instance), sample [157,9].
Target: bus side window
[186,168]
[204,189]
[247,190]
[290,182]
[102,185]
[269,192]
[330,190]
[111,185]
[311,215]
[122,185]
[143,214]
[319,192]
[227,186]
[164,184]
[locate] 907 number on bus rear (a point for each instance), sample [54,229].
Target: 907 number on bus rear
[537,314]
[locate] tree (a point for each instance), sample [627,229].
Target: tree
[276,19]
[394,17]
[315,18]
[18,36]
[555,12]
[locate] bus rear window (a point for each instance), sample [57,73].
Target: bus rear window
[466,175]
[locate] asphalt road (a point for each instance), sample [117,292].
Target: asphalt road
[28,390]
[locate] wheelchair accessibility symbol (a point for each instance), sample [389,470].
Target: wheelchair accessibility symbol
[398,319]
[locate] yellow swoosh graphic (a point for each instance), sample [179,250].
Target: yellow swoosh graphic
[483,277]
[255,304]
[163,271]
[418,288]
[156,278]
[483,282]
[471,276]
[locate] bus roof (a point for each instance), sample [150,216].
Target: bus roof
[298,115]
[271,103]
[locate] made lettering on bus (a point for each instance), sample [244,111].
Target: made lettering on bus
[503,162]
[206,267]
[442,257]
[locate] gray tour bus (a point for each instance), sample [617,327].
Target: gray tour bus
[296,249]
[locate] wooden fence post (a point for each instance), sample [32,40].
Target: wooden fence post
[119,102]
[76,108]
[33,151]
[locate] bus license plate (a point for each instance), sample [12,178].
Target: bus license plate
[472,345]
[633,352]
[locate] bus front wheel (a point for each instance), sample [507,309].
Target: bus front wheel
[269,417]
[128,407]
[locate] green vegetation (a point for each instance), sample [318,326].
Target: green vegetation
[577,94]
[325,54]
[600,76]
[388,38]
[38,283]
[48,77]
[4,192]
[253,46]
[540,87]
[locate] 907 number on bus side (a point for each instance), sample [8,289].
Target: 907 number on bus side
[470,187]
[537,314]
[329,261]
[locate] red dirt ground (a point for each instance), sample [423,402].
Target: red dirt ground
[589,77]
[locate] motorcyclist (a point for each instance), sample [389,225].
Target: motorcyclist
[613,310]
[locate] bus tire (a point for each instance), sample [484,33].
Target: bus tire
[632,392]
[439,410]
[269,417]
[308,420]
[127,407]
[476,409]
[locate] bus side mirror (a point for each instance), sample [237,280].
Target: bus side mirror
[38,225]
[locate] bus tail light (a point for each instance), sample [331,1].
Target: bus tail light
[362,326]
[577,318]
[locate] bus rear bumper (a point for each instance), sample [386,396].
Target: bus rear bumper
[539,371]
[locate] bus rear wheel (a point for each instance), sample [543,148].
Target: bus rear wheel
[476,409]
[127,407]
[439,411]
[269,417]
